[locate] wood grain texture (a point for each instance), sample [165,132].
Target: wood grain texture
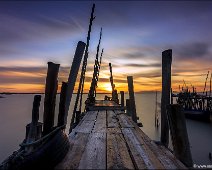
[100,124]
[111,140]
[112,120]
[118,156]
[125,121]
[78,143]
[94,156]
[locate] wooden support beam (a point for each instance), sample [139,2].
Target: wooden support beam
[63,95]
[179,134]
[72,76]
[165,98]
[122,98]
[132,98]
[50,97]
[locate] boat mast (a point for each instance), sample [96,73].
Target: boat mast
[206,82]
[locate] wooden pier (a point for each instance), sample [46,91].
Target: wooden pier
[106,135]
[109,139]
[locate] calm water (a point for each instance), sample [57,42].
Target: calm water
[15,112]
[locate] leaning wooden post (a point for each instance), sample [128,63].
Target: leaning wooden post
[50,97]
[122,98]
[179,134]
[73,76]
[62,104]
[165,98]
[132,98]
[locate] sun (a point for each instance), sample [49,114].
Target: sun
[107,87]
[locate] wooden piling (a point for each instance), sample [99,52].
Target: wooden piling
[34,129]
[73,75]
[132,98]
[50,97]
[179,134]
[63,95]
[128,110]
[165,98]
[122,98]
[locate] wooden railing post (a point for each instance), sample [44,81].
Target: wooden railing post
[132,98]
[165,98]
[179,134]
[50,97]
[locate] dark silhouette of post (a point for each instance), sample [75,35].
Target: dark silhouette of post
[179,134]
[122,98]
[50,97]
[165,98]
[34,129]
[72,77]
[132,98]
[63,95]
[128,109]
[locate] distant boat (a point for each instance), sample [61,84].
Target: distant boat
[2,97]
[195,106]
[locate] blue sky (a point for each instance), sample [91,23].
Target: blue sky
[134,35]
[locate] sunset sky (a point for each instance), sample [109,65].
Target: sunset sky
[134,36]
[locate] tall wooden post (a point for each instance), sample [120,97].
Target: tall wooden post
[63,95]
[165,99]
[122,98]
[50,97]
[132,98]
[72,76]
[179,134]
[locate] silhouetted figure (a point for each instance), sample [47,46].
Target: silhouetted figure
[209,155]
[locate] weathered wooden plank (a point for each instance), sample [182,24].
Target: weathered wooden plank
[105,103]
[78,143]
[153,157]
[124,121]
[171,156]
[100,124]
[140,157]
[94,156]
[91,115]
[165,159]
[118,156]
[112,120]
[95,108]
[85,126]
[87,123]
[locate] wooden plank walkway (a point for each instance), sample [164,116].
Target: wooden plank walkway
[109,139]
[104,105]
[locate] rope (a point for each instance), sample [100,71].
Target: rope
[43,138]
